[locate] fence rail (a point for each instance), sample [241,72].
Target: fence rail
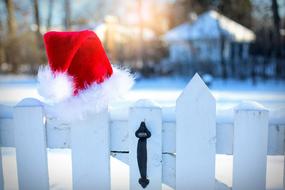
[58,136]
[184,144]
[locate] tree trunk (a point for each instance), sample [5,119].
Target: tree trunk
[37,17]
[38,36]
[67,19]
[223,63]
[50,8]
[277,37]
[2,54]
[276,22]
[11,43]
[11,21]
[140,63]
[222,49]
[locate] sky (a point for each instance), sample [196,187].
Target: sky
[87,8]
[95,9]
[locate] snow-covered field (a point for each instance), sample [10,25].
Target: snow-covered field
[165,92]
[60,172]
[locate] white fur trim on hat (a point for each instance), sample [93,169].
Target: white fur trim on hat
[94,99]
[54,87]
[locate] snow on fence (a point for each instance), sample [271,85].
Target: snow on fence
[180,152]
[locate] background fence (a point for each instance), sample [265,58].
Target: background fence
[181,151]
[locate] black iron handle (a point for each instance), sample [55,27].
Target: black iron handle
[142,133]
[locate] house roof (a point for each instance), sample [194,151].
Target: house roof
[210,25]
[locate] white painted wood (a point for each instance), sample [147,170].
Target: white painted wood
[30,142]
[168,137]
[169,170]
[6,111]
[7,132]
[195,137]
[224,138]
[250,149]
[284,169]
[1,173]
[151,114]
[276,137]
[123,157]
[221,186]
[119,135]
[168,166]
[58,136]
[284,173]
[91,152]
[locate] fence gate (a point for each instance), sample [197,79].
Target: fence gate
[177,150]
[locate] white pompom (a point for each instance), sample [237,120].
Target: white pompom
[54,87]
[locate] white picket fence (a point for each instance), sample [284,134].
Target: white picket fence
[181,151]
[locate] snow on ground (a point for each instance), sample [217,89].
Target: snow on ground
[60,172]
[164,91]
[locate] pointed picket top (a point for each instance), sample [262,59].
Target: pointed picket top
[195,88]
[195,137]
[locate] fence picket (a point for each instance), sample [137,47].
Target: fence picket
[284,163]
[168,170]
[195,137]
[250,148]
[1,172]
[30,142]
[151,114]
[284,172]
[192,136]
[91,152]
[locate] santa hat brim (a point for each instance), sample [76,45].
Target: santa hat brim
[57,89]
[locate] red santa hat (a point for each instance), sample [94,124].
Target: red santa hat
[79,78]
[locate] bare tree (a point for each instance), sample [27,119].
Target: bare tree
[67,18]
[222,49]
[11,43]
[38,35]
[276,22]
[277,37]
[2,55]
[37,16]
[50,8]
[11,21]
[141,41]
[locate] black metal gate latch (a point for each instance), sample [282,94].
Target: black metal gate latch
[142,133]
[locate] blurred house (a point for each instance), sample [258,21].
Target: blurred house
[209,40]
